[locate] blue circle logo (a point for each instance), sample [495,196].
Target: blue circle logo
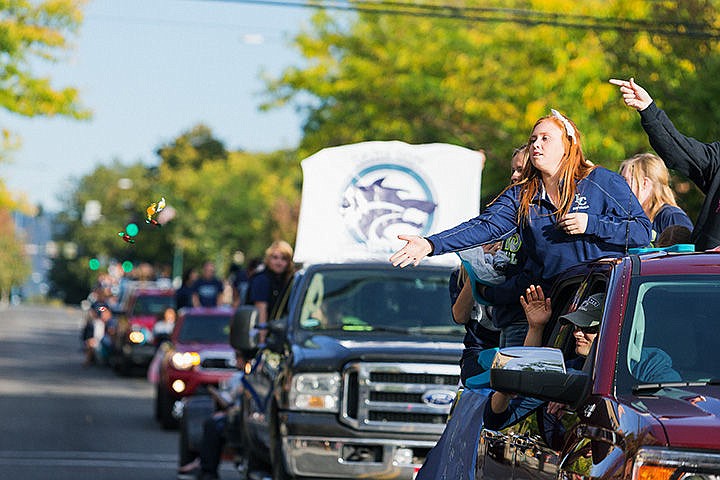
[385,200]
[439,398]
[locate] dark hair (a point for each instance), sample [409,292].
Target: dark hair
[673,235]
[186,275]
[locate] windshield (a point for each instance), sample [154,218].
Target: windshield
[412,301]
[668,335]
[152,304]
[204,329]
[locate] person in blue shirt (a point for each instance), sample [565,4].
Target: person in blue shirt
[267,286]
[479,331]
[208,288]
[566,210]
[649,178]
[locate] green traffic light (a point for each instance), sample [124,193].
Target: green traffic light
[127,266]
[94,264]
[131,229]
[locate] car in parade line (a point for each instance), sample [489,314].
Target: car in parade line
[133,342]
[621,420]
[197,355]
[358,374]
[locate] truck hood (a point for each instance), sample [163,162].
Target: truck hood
[326,353]
[144,321]
[689,415]
[204,347]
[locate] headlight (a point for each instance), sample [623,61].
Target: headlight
[657,464]
[136,336]
[318,392]
[185,361]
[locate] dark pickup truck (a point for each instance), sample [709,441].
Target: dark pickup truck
[358,375]
[623,421]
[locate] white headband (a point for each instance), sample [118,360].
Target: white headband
[565,121]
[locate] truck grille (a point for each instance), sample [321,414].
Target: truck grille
[398,397]
[217,360]
[214,363]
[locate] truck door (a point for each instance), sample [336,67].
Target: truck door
[541,436]
[260,382]
[531,448]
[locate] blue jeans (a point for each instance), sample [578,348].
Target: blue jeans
[513,335]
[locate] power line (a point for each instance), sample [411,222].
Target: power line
[505,15]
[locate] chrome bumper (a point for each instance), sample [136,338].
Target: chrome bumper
[321,458]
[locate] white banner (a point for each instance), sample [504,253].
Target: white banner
[357,198]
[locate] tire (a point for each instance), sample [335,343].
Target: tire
[165,405]
[279,472]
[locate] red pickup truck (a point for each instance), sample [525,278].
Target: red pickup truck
[621,420]
[198,355]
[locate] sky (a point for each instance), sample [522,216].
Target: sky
[150,70]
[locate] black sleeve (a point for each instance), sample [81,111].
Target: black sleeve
[696,160]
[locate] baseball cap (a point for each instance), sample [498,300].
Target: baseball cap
[589,313]
[99,307]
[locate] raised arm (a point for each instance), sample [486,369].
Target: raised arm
[633,94]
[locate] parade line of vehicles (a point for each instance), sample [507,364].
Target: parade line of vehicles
[360,366]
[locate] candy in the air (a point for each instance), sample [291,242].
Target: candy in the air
[153,210]
[126,238]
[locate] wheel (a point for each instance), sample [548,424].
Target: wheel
[279,472]
[165,406]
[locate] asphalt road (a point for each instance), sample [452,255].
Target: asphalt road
[60,420]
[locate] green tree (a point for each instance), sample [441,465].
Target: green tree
[32,32]
[122,193]
[235,201]
[14,265]
[370,76]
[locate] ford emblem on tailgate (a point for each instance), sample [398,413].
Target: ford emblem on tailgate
[438,397]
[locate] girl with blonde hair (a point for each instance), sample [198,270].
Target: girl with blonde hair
[565,209]
[267,287]
[649,180]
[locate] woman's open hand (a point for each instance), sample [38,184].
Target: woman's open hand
[414,250]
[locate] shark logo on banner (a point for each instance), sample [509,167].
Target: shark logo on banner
[357,198]
[386,199]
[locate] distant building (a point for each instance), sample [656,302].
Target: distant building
[36,233]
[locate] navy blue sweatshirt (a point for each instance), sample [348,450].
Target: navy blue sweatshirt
[667,216]
[615,221]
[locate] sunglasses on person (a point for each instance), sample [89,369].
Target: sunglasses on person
[594,330]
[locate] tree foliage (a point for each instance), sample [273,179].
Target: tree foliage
[222,200]
[370,76]
[236,201]
[14,264]
[32,31]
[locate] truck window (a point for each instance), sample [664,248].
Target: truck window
[152,304]
[372,299]
[667,335]
[205,329]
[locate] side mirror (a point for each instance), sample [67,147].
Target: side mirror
[539,373]
[276,334]
[243,329]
